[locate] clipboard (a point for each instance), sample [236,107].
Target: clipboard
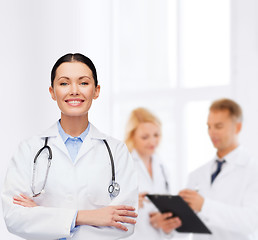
[191,223]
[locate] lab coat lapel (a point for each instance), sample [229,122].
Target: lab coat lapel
[55,138]
[59,143]
[234,160]
[89,142]
[227,170]
[136,157]
[87,145]
[205,178]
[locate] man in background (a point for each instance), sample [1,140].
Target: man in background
[224,192]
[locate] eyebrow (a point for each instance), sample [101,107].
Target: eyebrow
[69,78]
[219,123]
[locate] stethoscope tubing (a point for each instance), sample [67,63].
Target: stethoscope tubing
[113,188]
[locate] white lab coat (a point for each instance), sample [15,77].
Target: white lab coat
[70,187]
[155,185]
[230,207]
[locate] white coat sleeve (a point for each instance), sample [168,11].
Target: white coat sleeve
[237,218]
[31,223]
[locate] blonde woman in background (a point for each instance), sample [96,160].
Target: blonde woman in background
[143,133]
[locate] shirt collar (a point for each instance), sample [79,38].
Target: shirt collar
[230,156]
[66,136]
[135,155]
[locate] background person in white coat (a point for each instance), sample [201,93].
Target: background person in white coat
[227,196]
[75,202]
[143,133]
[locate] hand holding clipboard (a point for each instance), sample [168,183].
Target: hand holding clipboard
[191,223]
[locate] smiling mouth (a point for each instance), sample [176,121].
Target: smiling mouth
[73,102]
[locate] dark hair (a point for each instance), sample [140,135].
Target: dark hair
[234,108]
[74,57]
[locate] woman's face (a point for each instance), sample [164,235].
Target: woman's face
[146,138]
[74,89]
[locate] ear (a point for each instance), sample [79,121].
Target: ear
[97,90]
[52,93]
[238,127]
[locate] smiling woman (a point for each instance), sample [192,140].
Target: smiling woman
[77,197]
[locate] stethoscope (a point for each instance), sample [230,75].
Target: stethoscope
[113,188]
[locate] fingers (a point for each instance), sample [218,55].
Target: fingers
[164,221]
[174,221]
[25,197]
[186,192]
[165,216]
[171,224]
[142,199]
[127,213]
[123,214]
[125,220]
[24,201]
[143,194]
[20,201]
[188,195]
[152,214]
[120,226]
[124,207]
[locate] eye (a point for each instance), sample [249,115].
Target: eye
[84,83]
[63,84]
[219,126]
[156,135]
[144,137]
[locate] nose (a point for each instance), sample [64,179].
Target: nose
[212,131]
[74,90]
[154,141]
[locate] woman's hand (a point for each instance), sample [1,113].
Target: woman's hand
[142,199]
[111,216]
[164,221]
[24,201]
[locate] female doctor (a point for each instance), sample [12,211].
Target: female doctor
[68,189]
[142,138]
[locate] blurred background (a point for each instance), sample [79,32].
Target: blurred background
[173,57]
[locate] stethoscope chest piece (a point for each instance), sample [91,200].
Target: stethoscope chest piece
[114,189]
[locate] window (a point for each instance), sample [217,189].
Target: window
[172,57]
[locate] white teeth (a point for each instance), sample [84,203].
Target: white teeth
[74,102]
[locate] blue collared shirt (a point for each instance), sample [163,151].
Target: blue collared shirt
[73,145]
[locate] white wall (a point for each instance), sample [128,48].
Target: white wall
[35,33]
[245,67]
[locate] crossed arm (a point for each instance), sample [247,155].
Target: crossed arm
[108,216]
